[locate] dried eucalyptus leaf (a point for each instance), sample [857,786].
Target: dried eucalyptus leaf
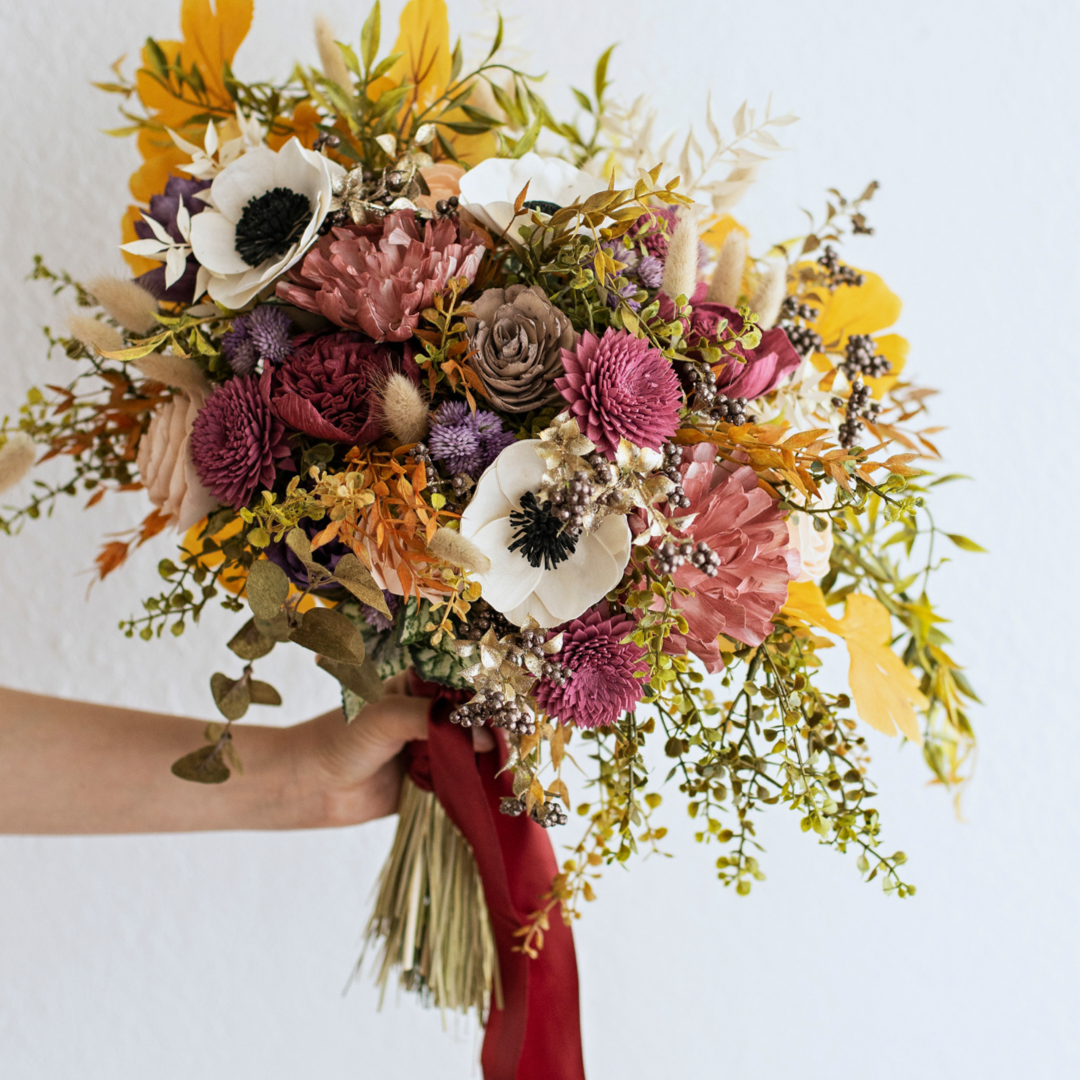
[331,634]
[356,577]
[275,629]
[362,679]
[202,766]
[250,643]
[262,693]
[231,696]
[267,589]
[300,545]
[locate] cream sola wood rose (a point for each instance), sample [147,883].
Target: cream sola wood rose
[538,569]
[489,191]
[264,211]
[164,458]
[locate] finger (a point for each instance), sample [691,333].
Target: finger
[482,740]
[395,719]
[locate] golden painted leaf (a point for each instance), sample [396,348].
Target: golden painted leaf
[717,232]
[806,602]
[212,34]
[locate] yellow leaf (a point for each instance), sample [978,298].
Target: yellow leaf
[212,36]
[885,692]
[717,232]
[426,63]
[855,309]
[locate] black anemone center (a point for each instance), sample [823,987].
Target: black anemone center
[270,224]
[541,538]
[541,207]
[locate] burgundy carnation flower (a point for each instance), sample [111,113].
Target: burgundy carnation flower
[620,387]
[760,370]
[742,523]
[602,685]
[377,278]
[329,386]
[236,440]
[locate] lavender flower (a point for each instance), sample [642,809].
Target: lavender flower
[262,334]
[376,619]
[466,442]
[649,271]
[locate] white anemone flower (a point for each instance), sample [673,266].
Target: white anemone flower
[264,212]
[490,189]
[555,590]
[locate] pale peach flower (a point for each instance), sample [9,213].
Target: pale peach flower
[164,458]
[814,547]
[443,180]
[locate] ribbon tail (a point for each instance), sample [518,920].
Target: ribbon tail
[536,1035]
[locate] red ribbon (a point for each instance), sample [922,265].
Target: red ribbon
[537,1033]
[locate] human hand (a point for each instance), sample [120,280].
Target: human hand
[350,773]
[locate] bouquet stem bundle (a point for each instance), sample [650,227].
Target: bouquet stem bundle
[431,921]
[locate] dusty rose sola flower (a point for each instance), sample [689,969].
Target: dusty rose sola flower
[620,387]
[377,278]
[330,386]
[743,525]
[236,442]
[604,668]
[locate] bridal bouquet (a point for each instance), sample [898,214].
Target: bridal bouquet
[430,380]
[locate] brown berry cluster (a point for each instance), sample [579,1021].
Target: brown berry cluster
[837,272]
[549,813]
[670,556]
[859,359]
[857,408]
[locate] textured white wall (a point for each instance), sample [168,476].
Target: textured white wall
[225,955]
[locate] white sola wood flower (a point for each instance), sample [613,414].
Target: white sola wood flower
[263,213]
[490,189]
[536,569]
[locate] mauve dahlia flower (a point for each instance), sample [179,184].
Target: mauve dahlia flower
[742,524]
[765,367]
[377,278]
[620,387]
[602,684]
[236,440]
[329,386]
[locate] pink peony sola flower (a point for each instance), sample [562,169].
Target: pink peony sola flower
[759,371]
[330,386]
[603,682]
[741,522]
[237,443]
[377,278]
[620,387]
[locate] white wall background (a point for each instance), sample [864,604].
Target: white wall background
[224,955]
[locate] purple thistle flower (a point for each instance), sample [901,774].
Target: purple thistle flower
[452,412]
[494,438]
[268,328]
[456,446]
[376,619]
[238,348]
[650,271]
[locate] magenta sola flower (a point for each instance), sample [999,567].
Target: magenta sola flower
[620,387]
[236,442]
[603,683]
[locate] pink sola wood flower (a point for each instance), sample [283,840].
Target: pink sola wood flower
[603,683]
[620,387]
[377,278]
[741,523]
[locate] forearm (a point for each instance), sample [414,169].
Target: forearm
[70,767]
